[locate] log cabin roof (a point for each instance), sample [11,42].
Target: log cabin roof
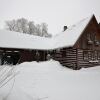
[69,37]
[9,39]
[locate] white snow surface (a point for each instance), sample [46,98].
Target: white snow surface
[67,38]
[12,39]
[50,81]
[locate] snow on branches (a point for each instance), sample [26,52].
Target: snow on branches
[22,25]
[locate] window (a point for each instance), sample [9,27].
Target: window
[85,55]
[97,43]
[89,38]
[90,55]
[93,55]
[96,40]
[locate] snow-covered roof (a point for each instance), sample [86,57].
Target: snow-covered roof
[69,37]
[9,39]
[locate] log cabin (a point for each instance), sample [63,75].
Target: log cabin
[76,47]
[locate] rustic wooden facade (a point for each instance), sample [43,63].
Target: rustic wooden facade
[84,53]
[15,56]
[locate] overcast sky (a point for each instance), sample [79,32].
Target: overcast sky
[56,13]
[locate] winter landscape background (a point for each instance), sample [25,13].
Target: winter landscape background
[48,80]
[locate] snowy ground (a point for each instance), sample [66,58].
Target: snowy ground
[50,81]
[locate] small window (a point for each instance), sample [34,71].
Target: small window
[96,41]
[85,55]
[88,36]
[92,55]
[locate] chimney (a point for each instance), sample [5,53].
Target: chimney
[65,27]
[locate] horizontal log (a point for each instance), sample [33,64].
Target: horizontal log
[71,53]
[70,57]
[80,53]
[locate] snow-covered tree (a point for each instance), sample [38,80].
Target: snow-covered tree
[31,27]
[22,25]
[19,25]
[11,25]
[38,29]
[44,29]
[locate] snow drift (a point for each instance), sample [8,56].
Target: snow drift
[50,81]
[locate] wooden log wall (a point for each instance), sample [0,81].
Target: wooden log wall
[33,55]
[25,55]
[73,58]
[67,57]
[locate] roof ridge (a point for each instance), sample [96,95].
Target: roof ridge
[70,27]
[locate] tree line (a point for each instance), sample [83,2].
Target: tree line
[22,25]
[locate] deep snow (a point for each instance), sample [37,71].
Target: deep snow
[50,81]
